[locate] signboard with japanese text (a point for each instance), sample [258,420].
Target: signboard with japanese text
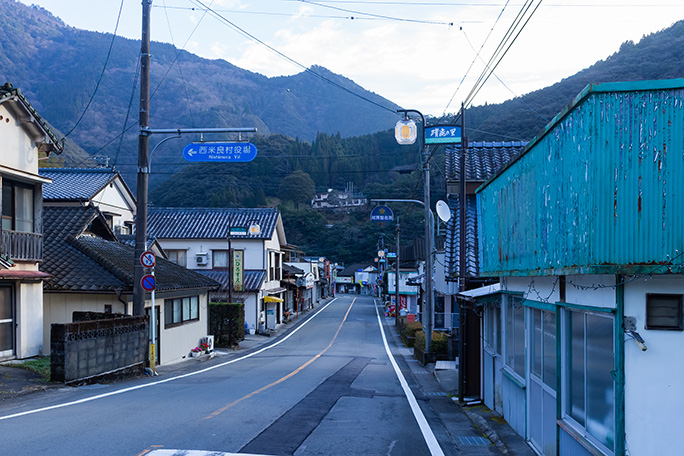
[220,152]
[382,215]
[443,134]
[238,269]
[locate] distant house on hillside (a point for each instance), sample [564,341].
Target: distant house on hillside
[201,238]
[24,138]
[334,200]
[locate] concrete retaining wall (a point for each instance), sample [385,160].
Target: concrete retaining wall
[89,350]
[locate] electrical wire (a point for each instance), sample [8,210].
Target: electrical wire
[378,16]
[248,35]
[477,53]
[99,80]
[128,112]
[504,46]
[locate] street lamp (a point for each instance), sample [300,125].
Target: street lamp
[406,132]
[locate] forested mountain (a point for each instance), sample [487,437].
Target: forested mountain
[57,67]
[304,137]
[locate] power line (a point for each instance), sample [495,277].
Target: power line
[289,59]
[378,16]
[504,46]
[109,53]
[477,54]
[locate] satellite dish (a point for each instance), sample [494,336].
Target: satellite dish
[443,211]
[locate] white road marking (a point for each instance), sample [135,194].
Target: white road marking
[428,435]
[170,379]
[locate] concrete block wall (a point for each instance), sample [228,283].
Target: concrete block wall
[88,350]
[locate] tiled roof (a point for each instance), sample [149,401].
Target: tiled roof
[351,269]
[483,159]
[208,223]
[251,284]
[9,92]
[76,184]
[287,269]
[452,243]
[83,255]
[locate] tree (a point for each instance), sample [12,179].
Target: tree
[297,187]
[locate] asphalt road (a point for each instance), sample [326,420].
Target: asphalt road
[328,388]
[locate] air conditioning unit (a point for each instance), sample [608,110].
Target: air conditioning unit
[209,340]
[202,259]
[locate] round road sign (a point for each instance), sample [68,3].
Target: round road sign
[147,259]
[147,282]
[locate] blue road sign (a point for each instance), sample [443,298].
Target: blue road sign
[381,214]
[147,282]
[443,134]
[220,152]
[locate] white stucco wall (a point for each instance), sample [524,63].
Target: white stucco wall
[17,150]
[654,378]
[176,342]
[113,199]
[59,307]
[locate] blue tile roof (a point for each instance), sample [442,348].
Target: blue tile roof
[453,241]
[253,281]
[82,254]
[76,184]
[208,223]
[483,159]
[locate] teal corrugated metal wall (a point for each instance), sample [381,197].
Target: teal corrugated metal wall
[600,191]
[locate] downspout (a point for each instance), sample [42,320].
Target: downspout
[559,364]
[118,292]
[619,372]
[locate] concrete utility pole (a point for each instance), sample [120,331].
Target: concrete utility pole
[143,162]
[462,262]
[144,158]
[396,280]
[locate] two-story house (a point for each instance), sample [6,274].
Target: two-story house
[102,187]
[585,231]
[202,239]
[24,139]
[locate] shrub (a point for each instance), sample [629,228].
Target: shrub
[439,342]
[227,323]
[409,332]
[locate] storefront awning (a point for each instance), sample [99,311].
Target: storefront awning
[272,299]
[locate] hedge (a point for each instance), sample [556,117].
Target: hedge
[227,323]
[439,342]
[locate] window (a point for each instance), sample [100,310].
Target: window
[180,310]
[17,207]
[515,335]
[590,389]
[493,327]
[664,311]
[180,257]
[543,347]
[220,259]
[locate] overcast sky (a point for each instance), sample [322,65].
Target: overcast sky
[414,53]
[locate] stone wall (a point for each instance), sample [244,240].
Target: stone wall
[85,351]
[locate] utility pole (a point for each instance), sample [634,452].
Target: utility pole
[396,280]
[462,261]
[143,161]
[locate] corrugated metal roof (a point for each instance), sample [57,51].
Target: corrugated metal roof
[75,184]
[598,191]
[209,223]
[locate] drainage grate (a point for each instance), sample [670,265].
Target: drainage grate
[437,394]
[472,441]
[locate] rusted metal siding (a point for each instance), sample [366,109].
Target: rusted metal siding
[599,191]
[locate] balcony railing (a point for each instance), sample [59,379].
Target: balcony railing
[19,246]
